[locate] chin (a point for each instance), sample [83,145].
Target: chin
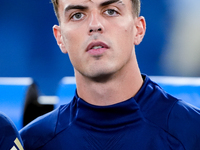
[101,78]
[99,74]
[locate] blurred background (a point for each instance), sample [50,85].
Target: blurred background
[171,46]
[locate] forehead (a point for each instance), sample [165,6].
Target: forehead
[65,3]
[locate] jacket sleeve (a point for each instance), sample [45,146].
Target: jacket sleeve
[39,131]
[9,136]
[184,124]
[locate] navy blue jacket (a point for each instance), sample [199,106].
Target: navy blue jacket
[151,120]
[9,136]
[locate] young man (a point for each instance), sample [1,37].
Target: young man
[9,136]
[115,107]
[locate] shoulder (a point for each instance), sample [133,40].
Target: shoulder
[41,130]
[8,133]
[4,120]
[184,123]
[181,120]
[155,104]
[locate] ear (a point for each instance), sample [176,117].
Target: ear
[59,38]
[140,30]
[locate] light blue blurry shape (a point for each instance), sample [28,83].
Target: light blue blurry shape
[12,98]
[185,88]
[66,91]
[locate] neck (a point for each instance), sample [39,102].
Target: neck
[112,89]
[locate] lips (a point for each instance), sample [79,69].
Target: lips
[97,46]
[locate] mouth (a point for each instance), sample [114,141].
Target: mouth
[97,48]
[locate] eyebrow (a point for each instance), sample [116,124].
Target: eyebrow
[80,7]
[106,3]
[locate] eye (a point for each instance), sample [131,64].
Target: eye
[77,16]
[111,12]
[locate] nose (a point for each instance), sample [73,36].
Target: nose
[95,24]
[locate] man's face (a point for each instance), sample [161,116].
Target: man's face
[98,35]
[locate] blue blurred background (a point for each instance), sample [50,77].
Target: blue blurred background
[28,48]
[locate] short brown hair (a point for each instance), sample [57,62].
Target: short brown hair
[55,6]
[135,3]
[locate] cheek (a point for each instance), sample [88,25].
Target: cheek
[123,40]
[124,27]
[73,34]
[73,43]
[124,36]
[71,40]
